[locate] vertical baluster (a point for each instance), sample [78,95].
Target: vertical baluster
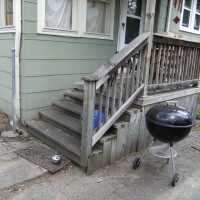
[189,63]
[144,55]
[107,103]
[170,64]
[179,65]
[158,63]
[193,64]
[100,106]
[196,76]
[152,66]
[184,63]
[138,70]
[133,75]
[162,64]
[166,63]
[187,68]
[174,64]
[121,84]
[114,93]
[127,80]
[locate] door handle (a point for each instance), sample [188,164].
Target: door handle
[123,25]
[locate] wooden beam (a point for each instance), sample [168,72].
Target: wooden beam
[171,85]
[88,121]
[149,25]
[174,41]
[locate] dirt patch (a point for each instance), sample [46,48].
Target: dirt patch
[4,122]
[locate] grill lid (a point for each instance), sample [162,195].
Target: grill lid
[169,115]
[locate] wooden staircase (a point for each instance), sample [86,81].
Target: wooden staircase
[111,89]
[61,127]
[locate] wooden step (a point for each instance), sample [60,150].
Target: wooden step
[74,96]
[63,142]
[79,86]
[62,121]
[70,108]
[77,97]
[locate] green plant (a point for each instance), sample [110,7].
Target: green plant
[198,110]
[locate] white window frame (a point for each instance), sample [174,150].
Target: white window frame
[11,28]
[193,12]
[79,9]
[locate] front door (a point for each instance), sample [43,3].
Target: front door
[131,21]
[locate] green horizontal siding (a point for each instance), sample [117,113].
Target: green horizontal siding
[6,45]
[48,83]
[35,100]
[6,107]
[6,79]
[51,64]
[6,94]
[50,50]
[47,67]
[162,7]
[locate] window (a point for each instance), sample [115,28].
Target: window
[6,13]
[191,16]
[87,18]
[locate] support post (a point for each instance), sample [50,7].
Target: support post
[149,25]
[88,121]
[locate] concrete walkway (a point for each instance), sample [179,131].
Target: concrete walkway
[23,180]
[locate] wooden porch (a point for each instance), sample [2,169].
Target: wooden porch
[151,69]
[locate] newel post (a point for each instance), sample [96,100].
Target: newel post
[149,25]
[88,121]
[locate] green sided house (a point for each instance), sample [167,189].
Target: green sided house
[61,60]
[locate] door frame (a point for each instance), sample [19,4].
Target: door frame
[122,19]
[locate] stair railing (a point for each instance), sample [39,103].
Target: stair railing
[111,89]
[174,63]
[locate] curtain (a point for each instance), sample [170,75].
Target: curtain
[58,14]
[6,12]
[95,20]
[9,12]
[2,13]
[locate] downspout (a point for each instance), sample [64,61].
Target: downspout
[169,10]
[16,66]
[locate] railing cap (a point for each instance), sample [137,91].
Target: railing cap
[90,78]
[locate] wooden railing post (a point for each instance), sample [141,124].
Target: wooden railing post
[88,121]
[149,25]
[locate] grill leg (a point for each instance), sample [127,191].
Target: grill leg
[137,160]
[173,163]
[147,150]
[176,176]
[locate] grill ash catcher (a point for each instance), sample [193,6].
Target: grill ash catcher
[168,124]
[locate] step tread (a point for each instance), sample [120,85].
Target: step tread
[75,94]
[64,120]
[73,107]
[60,137]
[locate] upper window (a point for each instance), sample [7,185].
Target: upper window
[6,13]
[88,18]
[191,16]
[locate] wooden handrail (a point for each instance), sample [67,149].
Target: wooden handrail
[174,41]
[118,59]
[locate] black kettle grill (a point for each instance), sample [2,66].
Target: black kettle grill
[168,124]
